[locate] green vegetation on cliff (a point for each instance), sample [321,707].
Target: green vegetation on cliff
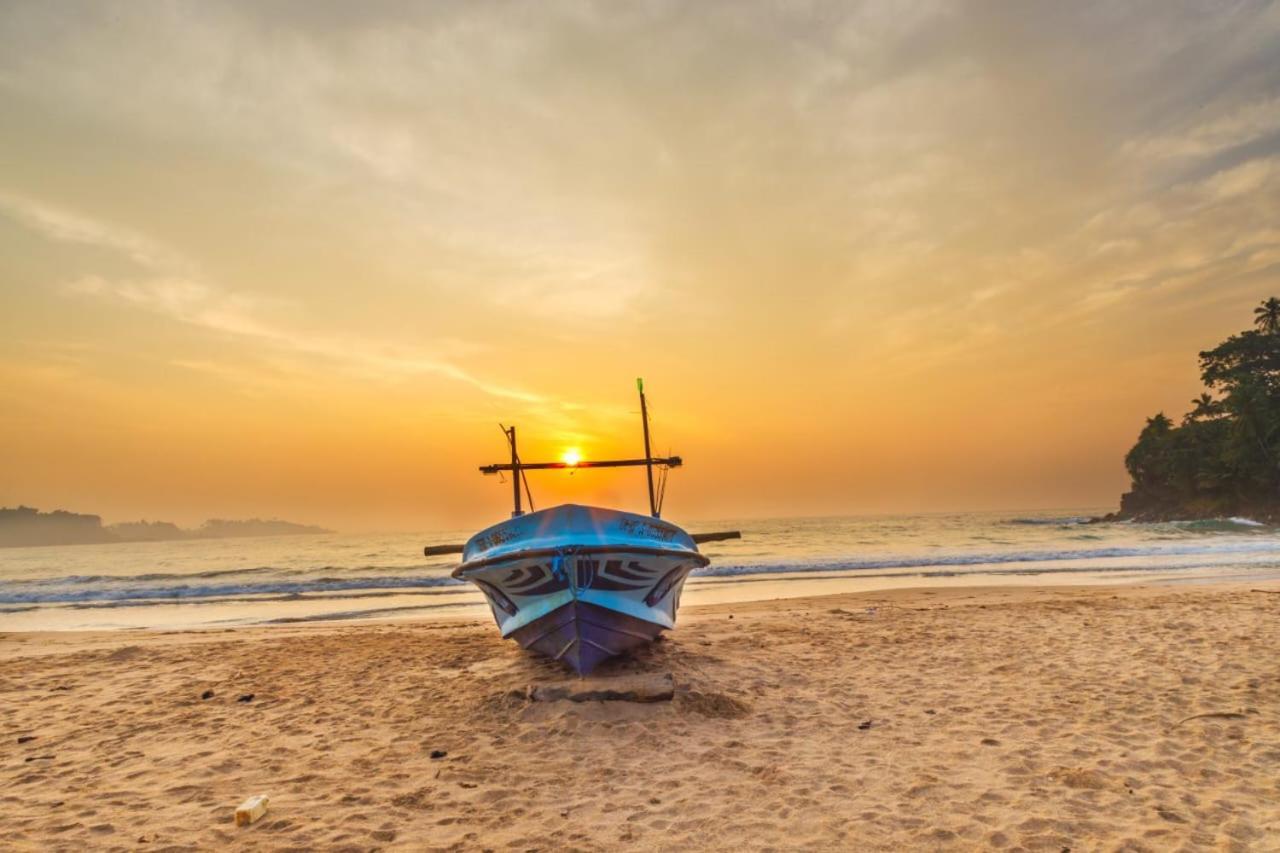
[1223,459]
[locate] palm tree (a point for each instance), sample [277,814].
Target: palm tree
[1203,406]
[1267,316]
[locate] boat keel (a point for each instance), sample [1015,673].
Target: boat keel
[583,635]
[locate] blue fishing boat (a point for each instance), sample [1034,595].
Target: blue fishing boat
[581,584]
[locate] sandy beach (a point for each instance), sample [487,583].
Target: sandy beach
[1117,718]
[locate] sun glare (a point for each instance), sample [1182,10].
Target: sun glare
[572,456]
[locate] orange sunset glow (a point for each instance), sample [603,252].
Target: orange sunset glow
[868,258]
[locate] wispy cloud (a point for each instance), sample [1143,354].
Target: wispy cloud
[238,315]
[189,300]
[67,227]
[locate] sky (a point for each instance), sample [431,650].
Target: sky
[301,259]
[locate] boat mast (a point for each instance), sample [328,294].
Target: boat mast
[515,471]
[648,456]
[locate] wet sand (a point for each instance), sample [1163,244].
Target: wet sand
[1138,718]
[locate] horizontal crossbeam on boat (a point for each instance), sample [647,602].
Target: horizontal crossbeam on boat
[441,550]
[669,461]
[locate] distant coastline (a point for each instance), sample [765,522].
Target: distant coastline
[25,526]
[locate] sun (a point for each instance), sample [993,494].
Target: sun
[571,457]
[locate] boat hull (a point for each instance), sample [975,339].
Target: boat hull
[584,635]
[581,584]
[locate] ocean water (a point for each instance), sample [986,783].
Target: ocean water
[296,579]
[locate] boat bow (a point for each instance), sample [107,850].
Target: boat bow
[581,583]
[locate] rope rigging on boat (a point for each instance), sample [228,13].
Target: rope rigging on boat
[662,486]
[658,494]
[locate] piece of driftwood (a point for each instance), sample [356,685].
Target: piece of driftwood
[1267,591]
[627,688]
[1216,715]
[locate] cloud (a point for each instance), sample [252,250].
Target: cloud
[397,123]
[554,162]
[808,188]
[200,304]
[64,226]
[238,315]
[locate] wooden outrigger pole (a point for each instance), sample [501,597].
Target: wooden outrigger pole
[719,536]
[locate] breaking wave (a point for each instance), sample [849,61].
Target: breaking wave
[982,559]
[265,583]
[1066,521]
[266,580]
[89,588]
